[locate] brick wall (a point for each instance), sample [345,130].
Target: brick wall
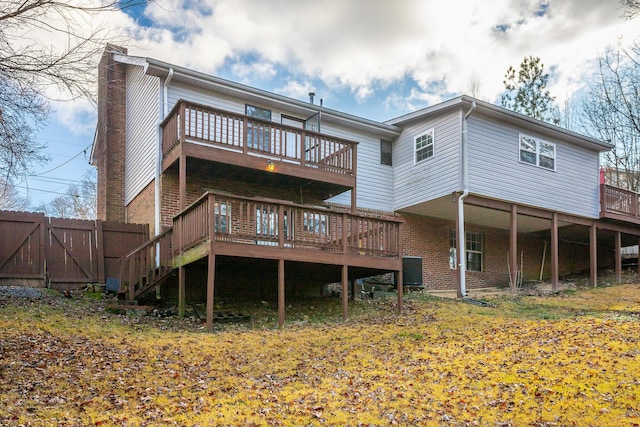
[198,182]
[429,238]
[110,138]
[141,210]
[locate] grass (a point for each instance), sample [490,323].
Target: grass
[565,359]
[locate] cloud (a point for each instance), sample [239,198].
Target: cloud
[78,116]
[373,46]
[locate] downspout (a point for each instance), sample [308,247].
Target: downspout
[462,267]
[164,112]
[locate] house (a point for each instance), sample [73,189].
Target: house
[257,193]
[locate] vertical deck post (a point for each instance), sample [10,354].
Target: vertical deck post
[182,186]
[399,275]
[345,292]
[593,254]
[618,256]
[211,276]
[400,287]
[182,182]
[554,252]
[280,293]
[513,248]
[211,262]
[181,291]
[354,164]
[638,258]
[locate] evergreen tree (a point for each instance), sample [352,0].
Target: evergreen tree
[526,91]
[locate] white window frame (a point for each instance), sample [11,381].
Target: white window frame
[432,144]
[222,215]
[470,238]
[538,146]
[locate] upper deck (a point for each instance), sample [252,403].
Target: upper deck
[210,134]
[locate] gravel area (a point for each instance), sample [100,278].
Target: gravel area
[22,292]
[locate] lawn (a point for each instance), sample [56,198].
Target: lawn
[566,359]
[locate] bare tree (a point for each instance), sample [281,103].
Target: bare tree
[631,8]
[10,199]
[611,112]
[569,114]
[48,48]
[78,202]
[473,85]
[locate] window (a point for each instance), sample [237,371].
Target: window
[424,146]
[222,217]
[473,250]
[258,133]
[536,152]
[386,154]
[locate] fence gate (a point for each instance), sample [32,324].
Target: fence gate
[72,251]
[22,244]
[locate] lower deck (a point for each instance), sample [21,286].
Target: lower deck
[270,241]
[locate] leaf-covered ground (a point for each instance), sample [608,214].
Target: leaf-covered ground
[563,360]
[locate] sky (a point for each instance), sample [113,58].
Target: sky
[376,59]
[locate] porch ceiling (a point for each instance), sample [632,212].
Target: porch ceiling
[307,189]
[445,208]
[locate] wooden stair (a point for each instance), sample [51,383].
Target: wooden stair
[147,266]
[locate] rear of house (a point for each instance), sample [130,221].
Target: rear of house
[479,195]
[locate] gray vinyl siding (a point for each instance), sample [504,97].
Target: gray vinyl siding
[374,181]
[495,171]
[178,91]
[432,178]
[142,115]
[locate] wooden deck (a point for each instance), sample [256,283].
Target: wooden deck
[229,225]
[619,204]
[207,133]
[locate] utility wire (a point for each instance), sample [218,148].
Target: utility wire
[38,189]
[62,164]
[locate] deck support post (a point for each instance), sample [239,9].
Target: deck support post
[181,292]
[554,252]
[513,248]
[593,254]
[280,293]
[618,257]
[638,257]
[399,288]
[211,276]
[345,292]
[182,182]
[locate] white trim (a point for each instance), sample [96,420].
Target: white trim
[433,146]
[537,141]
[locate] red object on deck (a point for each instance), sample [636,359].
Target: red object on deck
[602,180]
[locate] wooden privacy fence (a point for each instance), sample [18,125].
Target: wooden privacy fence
[33,246]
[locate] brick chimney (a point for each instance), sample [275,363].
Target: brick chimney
[108,153]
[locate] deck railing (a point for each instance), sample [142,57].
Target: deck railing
[266,222]
[244,134]
[619,201]
[147,264]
